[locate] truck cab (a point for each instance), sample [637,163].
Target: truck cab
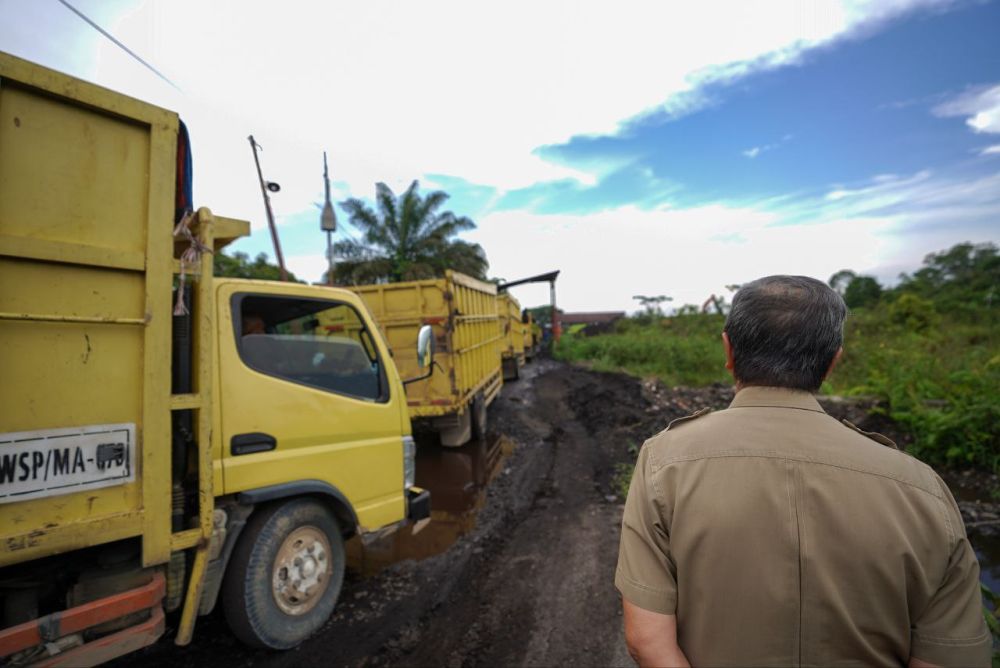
[312,433]
[296,395]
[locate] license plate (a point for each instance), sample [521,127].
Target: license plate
[35,464]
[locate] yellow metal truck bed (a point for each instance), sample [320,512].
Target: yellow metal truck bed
[467,333]
[85,315]
[512,329]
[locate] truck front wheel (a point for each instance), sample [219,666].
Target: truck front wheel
[285,575]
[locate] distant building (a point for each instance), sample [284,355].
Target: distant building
[592,318]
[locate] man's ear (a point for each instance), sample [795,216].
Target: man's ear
[728,347]
[833,362]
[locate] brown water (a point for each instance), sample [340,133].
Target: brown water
[457,479]
[976,492]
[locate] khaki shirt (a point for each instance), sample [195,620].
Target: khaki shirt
[780,536]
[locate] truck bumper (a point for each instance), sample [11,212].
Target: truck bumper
[418,504]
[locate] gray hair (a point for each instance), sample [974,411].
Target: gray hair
[785,331]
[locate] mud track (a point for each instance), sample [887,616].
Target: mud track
[532,582]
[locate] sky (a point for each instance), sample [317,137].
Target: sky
[642,148]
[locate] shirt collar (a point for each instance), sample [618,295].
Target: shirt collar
[757,396]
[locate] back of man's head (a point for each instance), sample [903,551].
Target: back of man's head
[785,331]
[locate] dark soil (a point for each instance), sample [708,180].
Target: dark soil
[532,582]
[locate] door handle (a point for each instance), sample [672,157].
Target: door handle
[247,444]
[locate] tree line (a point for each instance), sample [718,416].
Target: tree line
[961,280]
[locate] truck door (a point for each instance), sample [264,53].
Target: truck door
[306,396]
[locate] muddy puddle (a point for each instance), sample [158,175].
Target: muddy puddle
[988,551]
[976,494]
[457,479]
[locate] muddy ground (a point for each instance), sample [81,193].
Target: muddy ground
[523,543]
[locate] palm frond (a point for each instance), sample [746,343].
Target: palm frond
[406,239]
[431,203]
[349,249]
[464,257]
[386,201]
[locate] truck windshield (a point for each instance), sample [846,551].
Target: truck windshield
[320,343]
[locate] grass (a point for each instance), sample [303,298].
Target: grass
[938,379]
[683,350]
[622,477]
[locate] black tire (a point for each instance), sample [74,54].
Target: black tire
[479,421]
[509,368]
[254,585]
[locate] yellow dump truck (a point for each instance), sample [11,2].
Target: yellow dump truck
[532,335]
[513,330]
[168,439]
[466,376]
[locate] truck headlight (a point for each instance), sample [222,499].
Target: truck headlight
[409,462]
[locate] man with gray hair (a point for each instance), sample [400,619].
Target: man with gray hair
[770,534]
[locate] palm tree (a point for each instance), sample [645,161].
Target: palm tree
[407,239]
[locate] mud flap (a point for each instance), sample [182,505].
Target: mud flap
[418,504]
[46,631]
[511,368]
[454,430]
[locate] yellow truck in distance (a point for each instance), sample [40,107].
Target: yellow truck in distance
[532,335]
[167,439]
[466,376]
[514,332]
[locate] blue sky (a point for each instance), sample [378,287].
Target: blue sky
[641,148]
[845,113]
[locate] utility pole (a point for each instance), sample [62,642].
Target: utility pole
[273,187]
[556,325]
[328,223]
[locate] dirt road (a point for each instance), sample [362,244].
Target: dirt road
[540,592]
[531,580]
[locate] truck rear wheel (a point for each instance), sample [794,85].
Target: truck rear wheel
[285,575]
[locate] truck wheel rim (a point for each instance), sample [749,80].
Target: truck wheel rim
[301,570]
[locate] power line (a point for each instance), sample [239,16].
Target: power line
[119,44]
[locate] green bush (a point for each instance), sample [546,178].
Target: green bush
[684,350]
[929,349]
[913,313]
[941,384]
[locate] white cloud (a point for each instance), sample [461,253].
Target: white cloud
[881,227]
[685,253]
[757,150]
[980,106]
[880,184]
[920,197]
[991,150]
[307,267]
[397,91]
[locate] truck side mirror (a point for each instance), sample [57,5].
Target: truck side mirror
[425,346]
